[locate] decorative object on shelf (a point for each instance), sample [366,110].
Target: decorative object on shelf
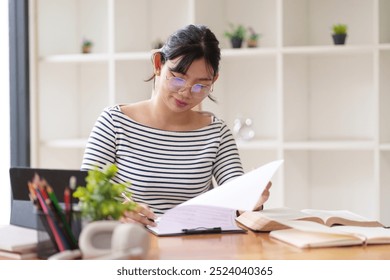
[86,46]
[236,34]
[339,33]
[243,130]
[253,39]
[100,198]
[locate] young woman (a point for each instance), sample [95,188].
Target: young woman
[164,147]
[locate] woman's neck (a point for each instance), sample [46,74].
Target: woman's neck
[164,118]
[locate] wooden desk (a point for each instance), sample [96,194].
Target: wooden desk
[251,246]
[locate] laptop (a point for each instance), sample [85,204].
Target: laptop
[22,209]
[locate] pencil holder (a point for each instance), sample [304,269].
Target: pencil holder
[56,234]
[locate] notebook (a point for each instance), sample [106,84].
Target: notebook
[22,209]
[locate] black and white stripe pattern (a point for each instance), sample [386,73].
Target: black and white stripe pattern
[165,168]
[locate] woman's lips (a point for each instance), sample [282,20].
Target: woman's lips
[180,103]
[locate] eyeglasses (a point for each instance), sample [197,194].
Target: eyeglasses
[177,84]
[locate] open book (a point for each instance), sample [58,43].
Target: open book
[306,234]
[215,211]
[273,219]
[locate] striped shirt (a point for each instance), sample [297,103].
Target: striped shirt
[164,168]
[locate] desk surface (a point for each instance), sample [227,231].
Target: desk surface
[253,245]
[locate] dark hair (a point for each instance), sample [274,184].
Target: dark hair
[192,42]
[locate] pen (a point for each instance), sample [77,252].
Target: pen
[128,199]
[202,230]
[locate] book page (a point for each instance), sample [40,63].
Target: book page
[268,219]
[372,235]
[327,214]
[241,193]
[195,217]
[308,226]
[306,234]
[284,213]
[304,239]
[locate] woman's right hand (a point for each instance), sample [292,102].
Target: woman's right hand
[141,214]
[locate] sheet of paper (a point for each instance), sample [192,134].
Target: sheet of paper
[195,217]
[241,193]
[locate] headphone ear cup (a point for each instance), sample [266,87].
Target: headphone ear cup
[130,240]
[95,239]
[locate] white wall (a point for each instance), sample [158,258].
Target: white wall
[4,116]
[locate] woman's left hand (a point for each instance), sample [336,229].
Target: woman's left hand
[260,203]
[263,198]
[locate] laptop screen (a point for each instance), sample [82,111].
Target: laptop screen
[22,209]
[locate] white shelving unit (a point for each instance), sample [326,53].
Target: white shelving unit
[323,108]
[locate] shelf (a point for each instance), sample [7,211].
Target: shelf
[318,93]
[257,144]
[384,147]
[318,50]
[132,56]
[247,52]
[330,146]
[225,53]
[331,180]
[71,58]
[321,107]
[66,143]
[309,22]
[384,47]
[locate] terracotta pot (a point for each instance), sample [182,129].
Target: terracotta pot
[86,49]
[252,43]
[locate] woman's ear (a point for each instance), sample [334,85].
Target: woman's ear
[215,78]
[157,63]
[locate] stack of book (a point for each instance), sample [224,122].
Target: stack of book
[18,242]
[311,228]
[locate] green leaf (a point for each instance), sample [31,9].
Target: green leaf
[101,198]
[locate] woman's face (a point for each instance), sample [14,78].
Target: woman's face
[183,91]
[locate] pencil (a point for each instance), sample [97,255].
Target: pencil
[67,205]
[72,186]
[54,230]
[62,217]
[33,196]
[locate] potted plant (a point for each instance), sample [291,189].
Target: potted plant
[236,34]
[101,199]
[339,33]
[252,41]
[86,46]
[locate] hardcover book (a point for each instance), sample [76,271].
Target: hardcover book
[274,219]
[306,234]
